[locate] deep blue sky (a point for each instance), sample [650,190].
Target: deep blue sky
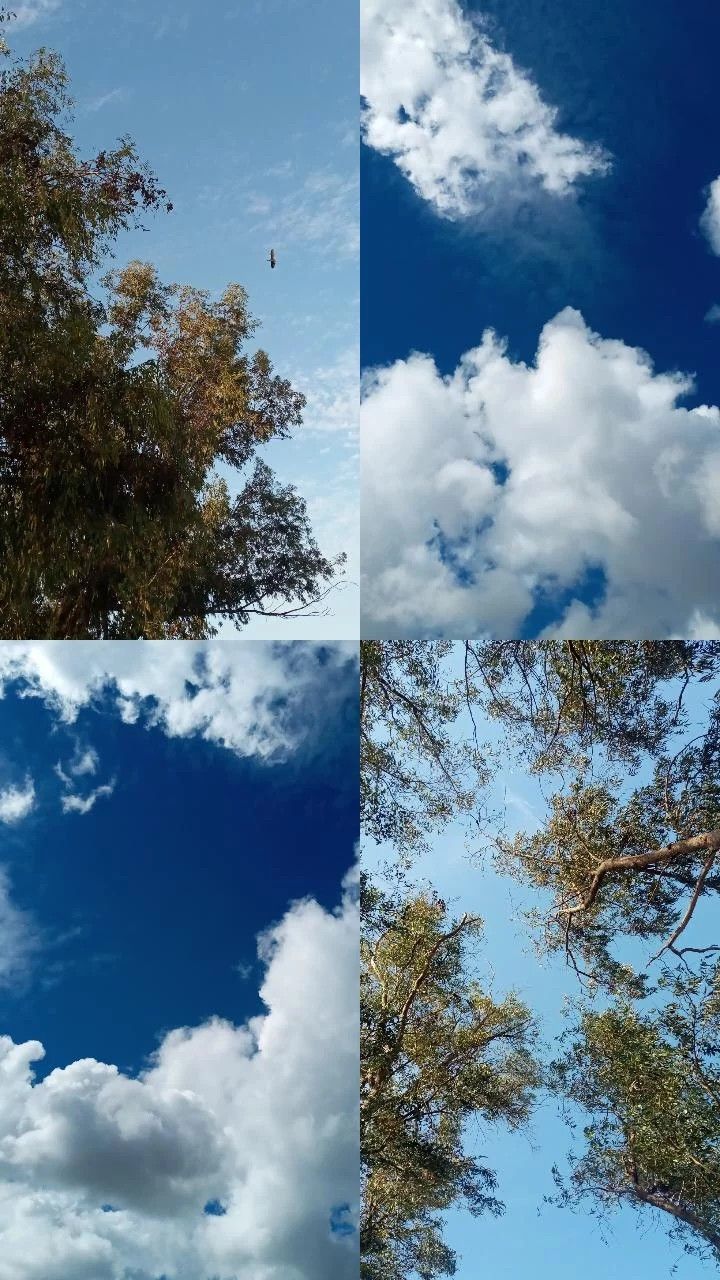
[640,80]
[248,115]
[147,904]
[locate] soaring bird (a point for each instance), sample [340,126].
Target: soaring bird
[272,259]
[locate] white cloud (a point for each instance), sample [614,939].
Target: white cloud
[83,804]
[26,14]
[710,223]
[16,802]
[84,763]
[505,479]
[462,123]
[257,699]
[261,1118]
[333,394]
[104,99]
[322,213]
[19,936]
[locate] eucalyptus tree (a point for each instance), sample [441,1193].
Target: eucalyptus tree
[415,773]
[437,1050]
[623,868]
[648,1084]
[117,409]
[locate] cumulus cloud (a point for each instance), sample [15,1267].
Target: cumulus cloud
[458,117]
[505,483]
[257,699]
[232,1157]
[16,802]
[710,223]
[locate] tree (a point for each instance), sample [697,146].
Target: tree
[115,414]
[558,698]
[437,1050]
[650,1086]
[622,859]
[619,860]
[624,738]
[414,775]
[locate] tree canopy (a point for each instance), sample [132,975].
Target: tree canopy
[649,1083]
[437,1049]
[118,406]
[623,866]
[413,777]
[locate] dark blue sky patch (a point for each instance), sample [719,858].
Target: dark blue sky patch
[214,1209]
[450,552]
[341,1223]
[550,604]
[626,251]
[148,904]
[500,471]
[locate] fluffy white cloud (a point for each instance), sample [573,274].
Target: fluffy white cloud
[462,123]
[710,223]
[258,699]
[16,802]
[504,480]
[106,1177]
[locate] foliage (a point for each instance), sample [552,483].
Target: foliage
[622,859]
[413,776]
[437,1051]
[624,739]
[114,415]
[586,717]
[562,698]
[650,1083]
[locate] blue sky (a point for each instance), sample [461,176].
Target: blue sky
[531,1234]
[248,115]
[177,823]
[595,463]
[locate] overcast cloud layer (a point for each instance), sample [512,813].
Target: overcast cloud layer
[480,488]
[105,1177]
[462,122]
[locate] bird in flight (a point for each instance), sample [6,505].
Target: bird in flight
[272,259]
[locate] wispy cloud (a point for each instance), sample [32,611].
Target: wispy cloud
[114,95]
[710,221]
[16,802]
[83,764]
[333,394]
[83,804]
[24,15]
[19,936]
[322,212]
